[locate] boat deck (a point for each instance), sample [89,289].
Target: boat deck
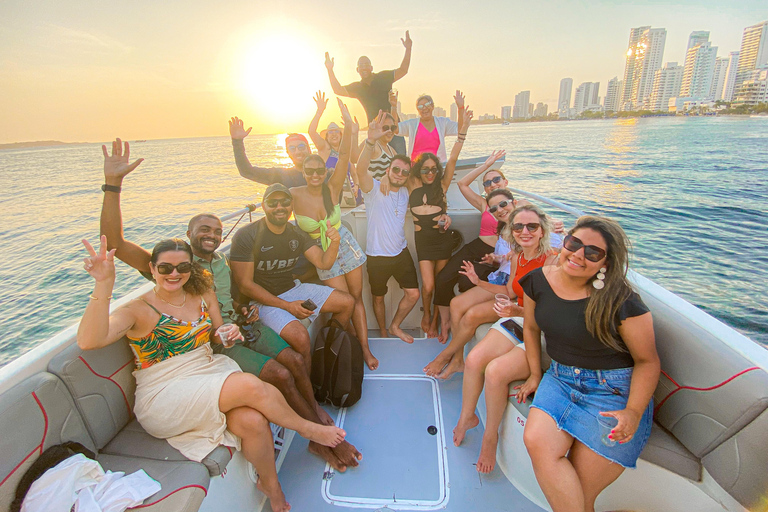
[406,464]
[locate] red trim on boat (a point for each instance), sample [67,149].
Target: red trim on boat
[692,388]
[205,491]
[125,397]
[40,446]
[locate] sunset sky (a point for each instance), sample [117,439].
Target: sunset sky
[91,70]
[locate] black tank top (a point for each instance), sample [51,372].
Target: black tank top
[427,195]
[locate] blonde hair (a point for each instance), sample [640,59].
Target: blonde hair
[546,230]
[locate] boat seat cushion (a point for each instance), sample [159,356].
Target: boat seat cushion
[184,484]
[35,414]
[664,450]
[134,441]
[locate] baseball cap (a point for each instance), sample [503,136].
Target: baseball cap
[277,187]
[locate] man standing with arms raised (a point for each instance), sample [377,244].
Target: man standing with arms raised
[373,88]
[386,245]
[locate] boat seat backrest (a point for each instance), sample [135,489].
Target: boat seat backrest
[710,397]
[102,384]
[35,414]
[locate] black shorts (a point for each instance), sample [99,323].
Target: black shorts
[401,267]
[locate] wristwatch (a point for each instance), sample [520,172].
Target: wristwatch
[111,188]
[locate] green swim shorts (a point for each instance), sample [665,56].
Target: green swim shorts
[251,357]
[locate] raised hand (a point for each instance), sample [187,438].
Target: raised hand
[355,130]
[407,41]
[328,62]
[468,269]
[393,98]
[346,117]
[490,259]
[467,117]
[495,156]
[116,165]
[320,101]
[100,266]
[236,129]
[375,131]
[459,99]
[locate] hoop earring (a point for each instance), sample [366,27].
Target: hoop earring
[599,282]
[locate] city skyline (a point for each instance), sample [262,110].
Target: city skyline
[76,73]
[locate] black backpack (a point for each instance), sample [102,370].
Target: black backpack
[337,366]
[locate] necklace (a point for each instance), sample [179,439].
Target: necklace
[170,303]
[521,259]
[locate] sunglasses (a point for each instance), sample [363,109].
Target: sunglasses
[532,227]
[428,170]
[502,204]
[167,268]
[297,147]
[400,172]
[309,171]
[488,183]
[424,106]
[285,202]
[388,128]
[591,252]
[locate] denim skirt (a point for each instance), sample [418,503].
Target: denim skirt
[574,397]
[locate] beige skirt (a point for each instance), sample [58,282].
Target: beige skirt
[178,400]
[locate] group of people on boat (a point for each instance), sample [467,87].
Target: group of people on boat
[203,381]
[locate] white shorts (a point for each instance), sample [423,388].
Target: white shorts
[277,318]
[509,335]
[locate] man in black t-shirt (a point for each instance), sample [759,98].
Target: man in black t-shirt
[263,256]
[373,88]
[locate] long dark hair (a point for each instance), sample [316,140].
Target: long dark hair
[436,187]
[328,203]
[499,192]
[200,280]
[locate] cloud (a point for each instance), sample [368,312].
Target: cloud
[88,40]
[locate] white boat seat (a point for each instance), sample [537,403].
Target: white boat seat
[39,412]
[102,384]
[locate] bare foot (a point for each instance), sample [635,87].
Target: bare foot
[323,434]
[348,454]
[426,324]
[275,494]
[487,460]
[445,331]
[432,333]
[456,365]
[370,360]
[461,429]
[437,364]
[325,418]
[397,331]
[328,455]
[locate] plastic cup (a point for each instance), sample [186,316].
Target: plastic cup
[225,333]
[503,300]
[441,225]
[607,424]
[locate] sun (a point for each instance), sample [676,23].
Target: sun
[280,73]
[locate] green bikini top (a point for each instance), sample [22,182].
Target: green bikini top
[310,225]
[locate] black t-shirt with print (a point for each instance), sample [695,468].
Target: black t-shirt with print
[273,255]
[374,97]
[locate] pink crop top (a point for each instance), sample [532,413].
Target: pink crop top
[425,141]
[488,224]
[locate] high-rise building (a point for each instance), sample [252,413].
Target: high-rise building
[522,100]
[530,110]
[730,76]
[506,112]
[753,90]
[718,78]
[454,112]
[564,100]
[697,37]
[698,72]
[439,112]
[540,110]
[587,97]
[644,57]
[613,95]
[666,85]
[754,51]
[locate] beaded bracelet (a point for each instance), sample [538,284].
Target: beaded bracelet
[97,298]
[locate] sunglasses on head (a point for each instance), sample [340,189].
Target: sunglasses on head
[297,147]
[428,170]
[502,204]
[591,252]
[488,183]
[167,268]
[399,171]
[309,171]
[285,202]
[532,227]
[425,105]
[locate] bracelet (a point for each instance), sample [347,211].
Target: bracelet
[461,139]
[111,188]
[97,298]
[369,143]
[463,134]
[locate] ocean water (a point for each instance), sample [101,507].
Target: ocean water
[692,193]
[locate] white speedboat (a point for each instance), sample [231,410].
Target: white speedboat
[707,451]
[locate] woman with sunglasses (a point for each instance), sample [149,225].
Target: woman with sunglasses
[186,394]
[499,358]
[381,152]
[477,249]
[604,367]
[427,133]
[316,206]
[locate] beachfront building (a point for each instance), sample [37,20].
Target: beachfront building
[754,52]
[587,97]
[699,71]
[541,110]
[564,99]
[644,57]
[753,90]
[666,85]
[506,113]
[696,38]
[439,112]
[730,76]
[454,112]
[522,101]
[613,95]
[718,79]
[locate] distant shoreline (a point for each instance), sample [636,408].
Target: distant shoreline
[38,144]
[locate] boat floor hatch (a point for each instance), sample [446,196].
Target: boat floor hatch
[404,466]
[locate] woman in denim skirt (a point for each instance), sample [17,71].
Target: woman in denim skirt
[604,367]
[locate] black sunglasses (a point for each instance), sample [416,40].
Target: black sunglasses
[488,183]
[301,147]
[388,128]
[502,204]
[309,171]
[428,170]
[285,202]
[532,227]
[167,268]
[399,171]
[591,252]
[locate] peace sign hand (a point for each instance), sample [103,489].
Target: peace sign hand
[116,165]
[100,266]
